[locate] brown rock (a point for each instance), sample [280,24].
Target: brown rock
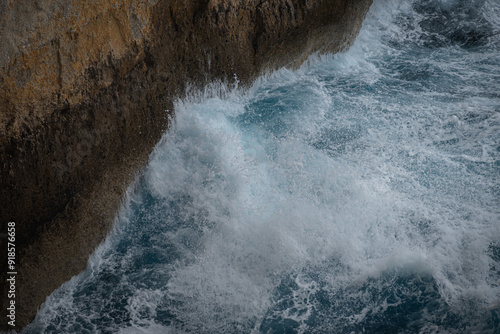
[86,88]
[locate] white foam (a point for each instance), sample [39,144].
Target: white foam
[356,178]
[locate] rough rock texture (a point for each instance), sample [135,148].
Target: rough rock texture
[85,92]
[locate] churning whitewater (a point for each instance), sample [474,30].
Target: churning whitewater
[359,193]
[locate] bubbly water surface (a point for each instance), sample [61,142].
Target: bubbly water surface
[359,193]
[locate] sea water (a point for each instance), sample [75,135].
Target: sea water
[357,194]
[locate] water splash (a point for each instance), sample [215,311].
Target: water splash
[358,193]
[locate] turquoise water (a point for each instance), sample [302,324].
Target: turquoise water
[357,194]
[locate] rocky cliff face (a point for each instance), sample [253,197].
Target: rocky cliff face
[86,88]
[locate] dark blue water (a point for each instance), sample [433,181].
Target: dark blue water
[357,194]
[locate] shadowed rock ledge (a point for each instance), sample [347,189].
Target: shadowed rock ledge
[85,92]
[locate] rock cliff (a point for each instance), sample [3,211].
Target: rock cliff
[86,88]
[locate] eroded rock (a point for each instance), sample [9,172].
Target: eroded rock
[86,88]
